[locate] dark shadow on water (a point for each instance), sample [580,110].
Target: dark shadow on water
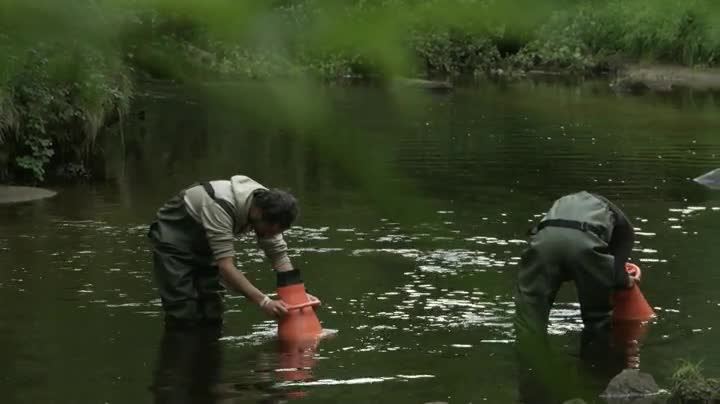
[190,363]
[548,375]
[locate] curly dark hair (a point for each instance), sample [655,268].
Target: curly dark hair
[278,206]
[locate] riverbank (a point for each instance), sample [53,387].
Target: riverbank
[48,160]
[665,78]
[61,88]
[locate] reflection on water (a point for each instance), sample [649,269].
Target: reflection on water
[188,366]
[190,363]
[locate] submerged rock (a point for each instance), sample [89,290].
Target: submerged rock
[13,194]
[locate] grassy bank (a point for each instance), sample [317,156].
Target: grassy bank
[69,68]
[52,108]
[689,385]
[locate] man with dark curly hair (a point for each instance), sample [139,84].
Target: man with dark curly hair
[192,243]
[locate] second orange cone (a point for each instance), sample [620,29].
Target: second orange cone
[630,304]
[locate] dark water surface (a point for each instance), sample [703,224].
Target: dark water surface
[414,213]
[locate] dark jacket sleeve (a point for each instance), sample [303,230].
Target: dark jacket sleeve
[621,243]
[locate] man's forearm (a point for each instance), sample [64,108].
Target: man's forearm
[237,281]
[275,250]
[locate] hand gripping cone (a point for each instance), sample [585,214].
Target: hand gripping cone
[300,323]
[630,304]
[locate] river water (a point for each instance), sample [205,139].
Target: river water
[414,210]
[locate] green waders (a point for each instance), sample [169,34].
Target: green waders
[557,255]
[184,268]
[569,244]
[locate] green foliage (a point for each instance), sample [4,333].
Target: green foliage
[453,38]
[39,155]
[558,46]
[8,114]
[68,67]
[58,99]
[578,38]
[668,31]
[689,384]
[454,53]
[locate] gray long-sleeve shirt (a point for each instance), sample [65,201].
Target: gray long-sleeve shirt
[221,227]
[622,239]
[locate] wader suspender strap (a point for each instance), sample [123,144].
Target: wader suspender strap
[227,207]
[569,224]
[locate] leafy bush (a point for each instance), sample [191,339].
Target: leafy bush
[58,100]
[689,384]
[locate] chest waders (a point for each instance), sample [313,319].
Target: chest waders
[566,246]
[185,271]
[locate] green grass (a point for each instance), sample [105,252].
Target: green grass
[689,384]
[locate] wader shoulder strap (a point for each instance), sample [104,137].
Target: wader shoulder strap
[227,206]
[569,224]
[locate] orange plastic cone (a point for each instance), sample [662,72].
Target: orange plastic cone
[628,331]
[630,320]
[300,323]
[630,304]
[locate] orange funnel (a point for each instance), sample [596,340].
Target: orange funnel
[630,304]
[300,323]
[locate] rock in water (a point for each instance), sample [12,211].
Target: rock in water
[633,386]
[433,85]
[710,179]
[12,194]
